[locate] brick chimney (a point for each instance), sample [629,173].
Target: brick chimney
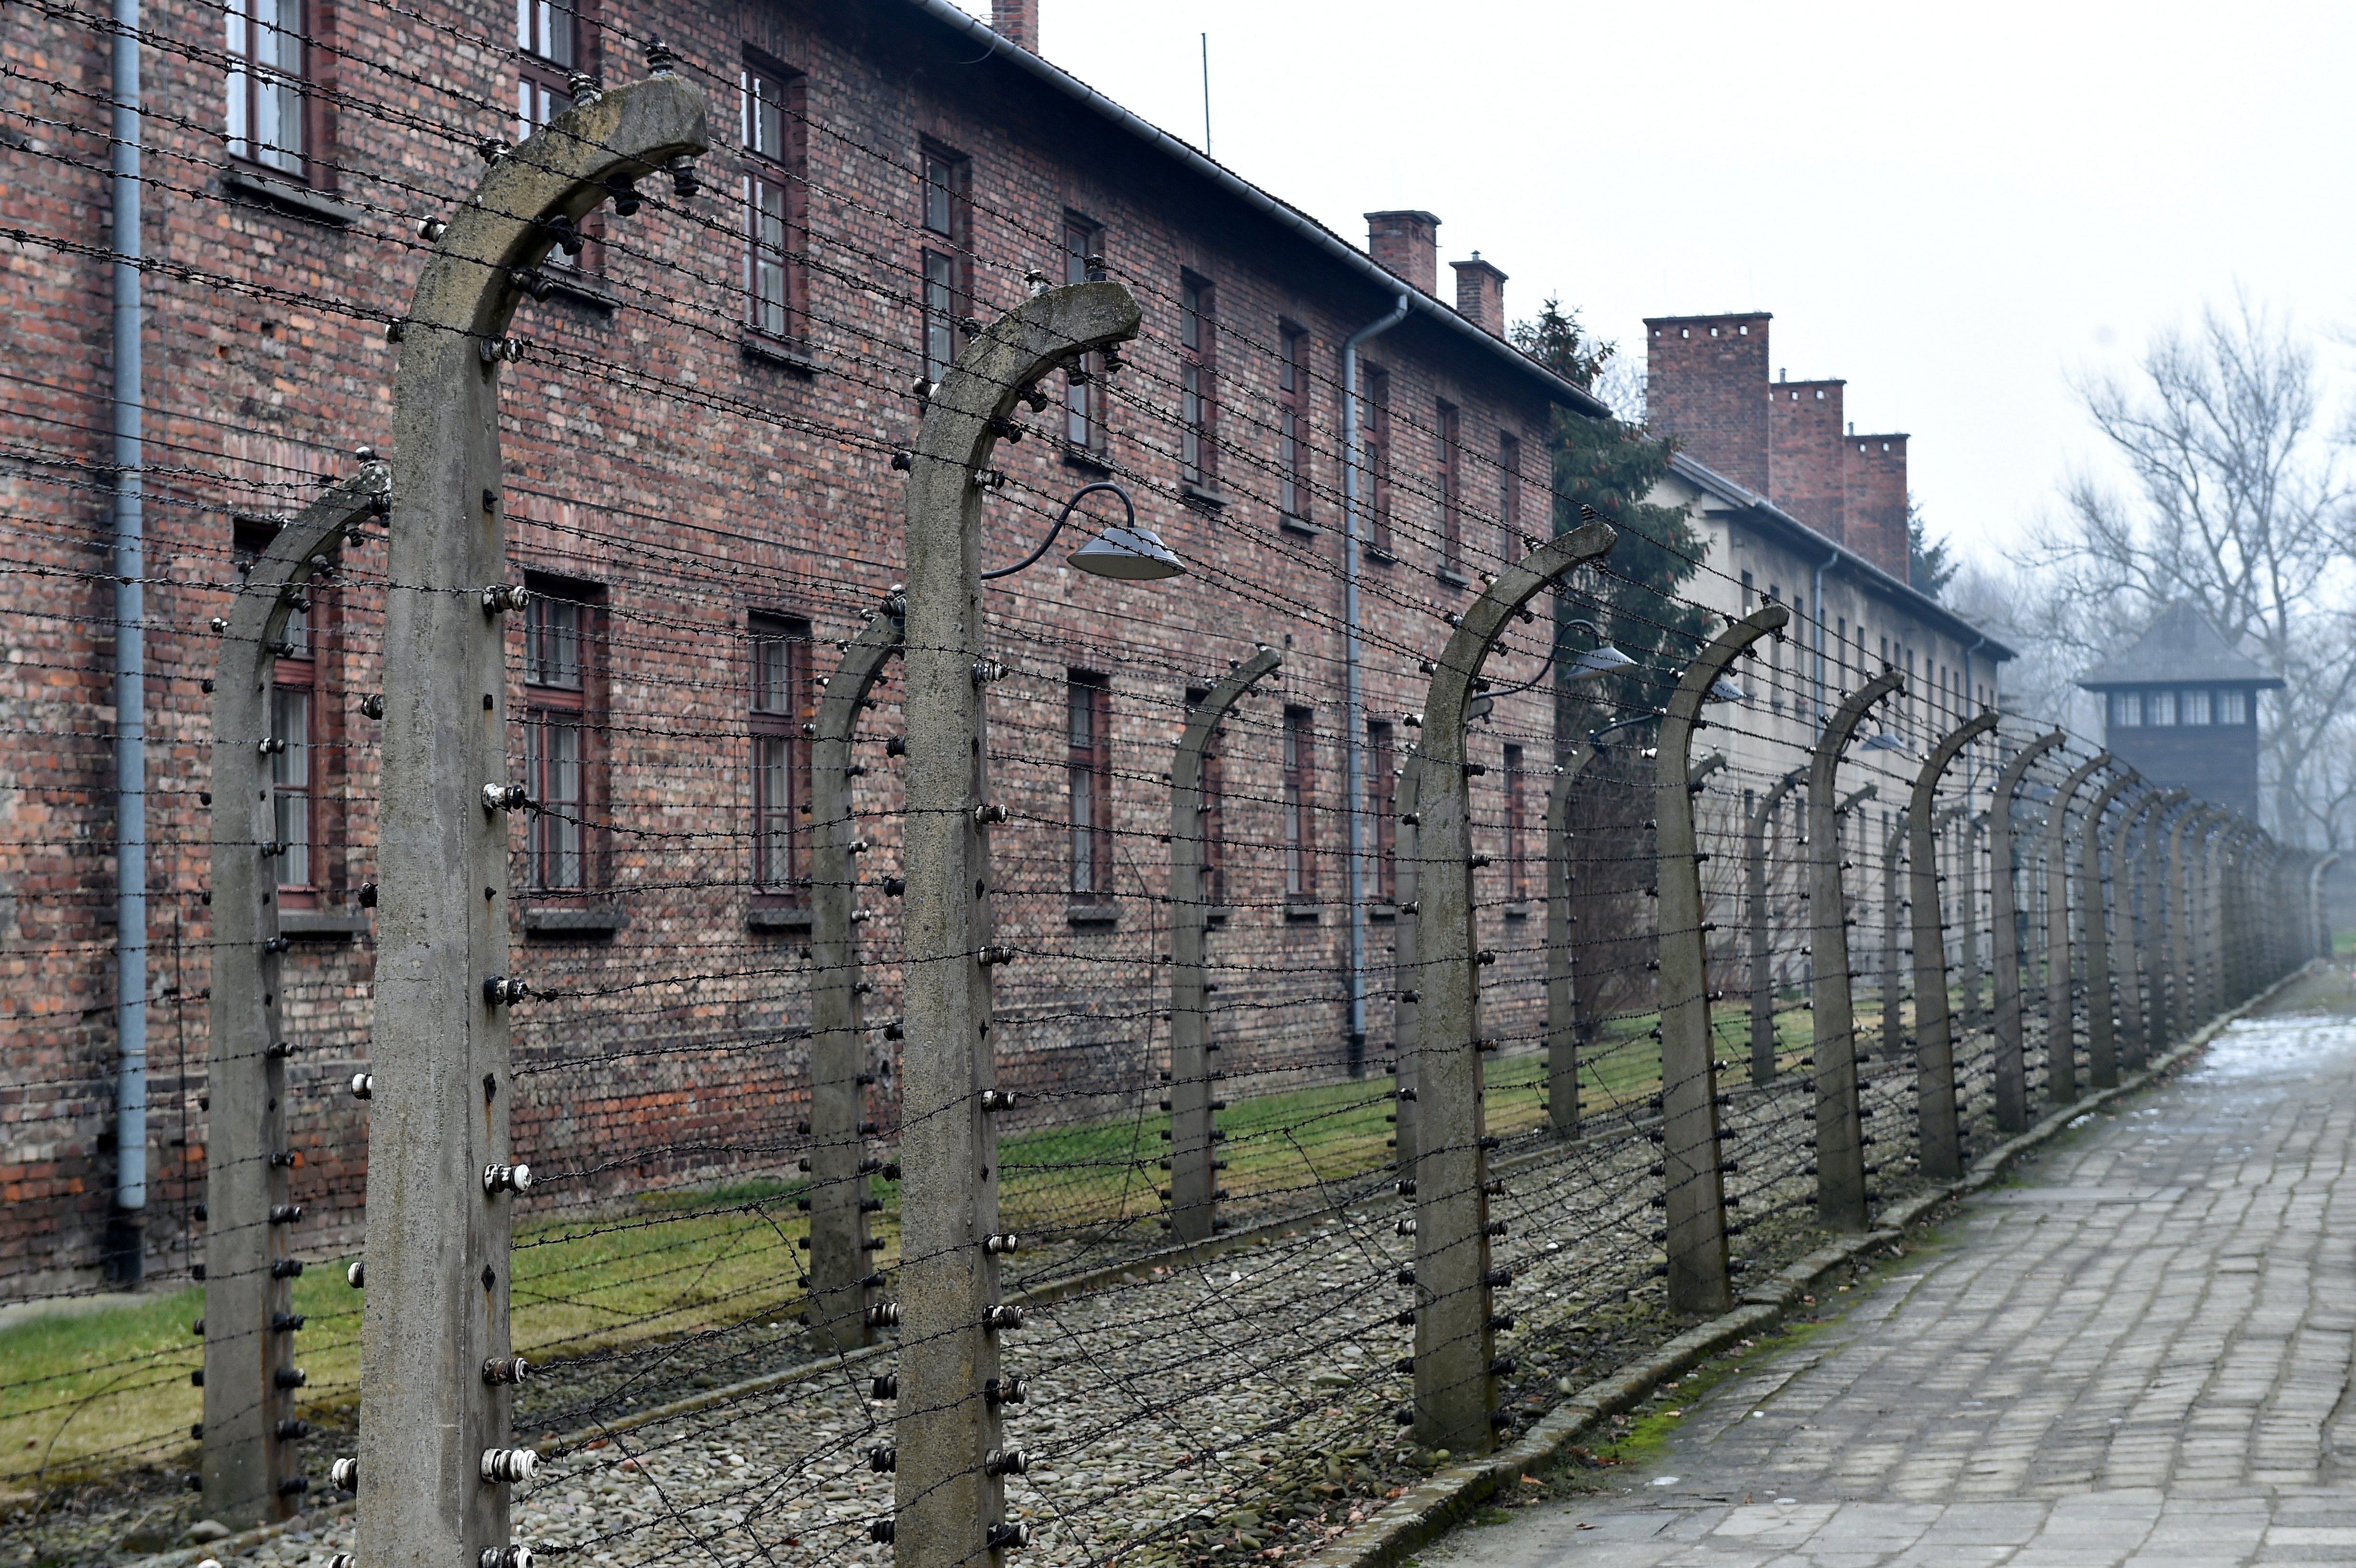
[1016,21]
[1405,245]
[1480,294]
[1877,500]
[1705,380]
[1808,466]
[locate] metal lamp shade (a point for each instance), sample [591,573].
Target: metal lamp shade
[1128,554]
[1598,661]
[1723,689]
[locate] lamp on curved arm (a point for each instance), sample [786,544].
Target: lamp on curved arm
[1128,552]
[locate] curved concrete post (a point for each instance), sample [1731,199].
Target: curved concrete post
[1695,1183]
[1940,1139]
[2209,943]
[2183,895]
[2319,915]
[1562,975]
[1893,921]
[2132,953]
[248,1170]
[1763,931]
[1194,1174]
[2004,933]
[1455,1389]
[1840,1154]
[1967,923]
[1406,962]
[2061,1026]
[436,1306]
[944,1495]
[841,1258]
[2096,895]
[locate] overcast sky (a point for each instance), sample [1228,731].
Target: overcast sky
[1954,207]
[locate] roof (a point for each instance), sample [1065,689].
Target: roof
[1847,563]
[2181,645]
[1285,215]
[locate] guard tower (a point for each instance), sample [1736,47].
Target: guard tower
[2180,707]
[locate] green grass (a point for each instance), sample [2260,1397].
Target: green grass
[104,1391]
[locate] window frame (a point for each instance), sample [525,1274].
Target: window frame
[944,266]
[1448,421]
[1198,381]
[1511,540]
[777,176]
[1382,804]
[1084,406]
[551,707]
[295,673]
[1300,805]
[1211,787]
[248,80]
[1375,449]
[1517,827]
[1088,783]
[1293,433]
[771,821]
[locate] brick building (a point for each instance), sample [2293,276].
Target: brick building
[699,447]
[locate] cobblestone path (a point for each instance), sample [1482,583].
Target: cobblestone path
[2136,1355]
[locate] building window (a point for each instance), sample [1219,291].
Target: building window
[548,36]
[1213,787]
[1374,440]
[1300,807]
[783,699]
[1198,453]
[2126,709]
[1382,804]
[294,711]
[775,285]
[2195,706]
[2233,707]
[266,78]
[1084,398]
[2159,708]
[1511,541]
[1452,493]
[1088,769]
[1518,836]
[948,181]
[1292,424]
[559,742]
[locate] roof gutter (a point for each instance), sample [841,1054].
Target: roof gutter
[1567,393]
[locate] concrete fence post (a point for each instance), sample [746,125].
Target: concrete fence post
[1561,974]
[1761,919]
[2210,985]
[842,1269]
[2004,935]
[2138,973]
[1694,1183]
[2318,913]
[1938,1132]
[2061,1027]
[1840,1151]
[949,1500]
[1406,962]
[2095,898]
[435,1435]
[1893,921]
[1194,1165]
[2183,920]
[1455,1374]
[252,1470]
[1967,922]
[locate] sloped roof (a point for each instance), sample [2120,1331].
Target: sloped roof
[2179,645]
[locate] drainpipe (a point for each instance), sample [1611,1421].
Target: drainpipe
[125,1244]
[1354,719]
[1818,602]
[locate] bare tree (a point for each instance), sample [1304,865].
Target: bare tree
[2237,504]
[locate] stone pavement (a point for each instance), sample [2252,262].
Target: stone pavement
[2136,1356]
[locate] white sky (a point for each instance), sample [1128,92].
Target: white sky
[1952,206]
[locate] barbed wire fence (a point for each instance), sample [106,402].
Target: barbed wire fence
[1114,1248]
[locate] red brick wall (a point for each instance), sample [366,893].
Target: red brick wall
[647,452]
[1704,378]
[1877,500]
[1407,245]
[1807,471]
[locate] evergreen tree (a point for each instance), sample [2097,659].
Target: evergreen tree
[1929,563]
